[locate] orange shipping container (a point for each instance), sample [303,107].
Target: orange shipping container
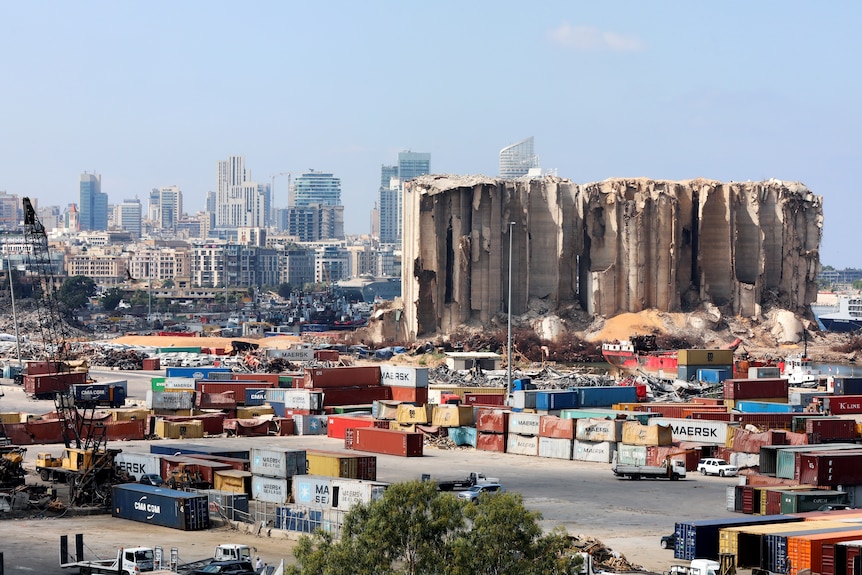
[265,377]
[806,551]
[417,395]
[492,421]
[553,426]
[491,442]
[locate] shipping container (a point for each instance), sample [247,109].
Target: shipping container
[495,442]
[359,394]
[233,480]
[555,427]
[403,376]
[547,400]
[310,424]
[706,357]
[799,501]
[312,490]
[348,492]
[755,388]
[787,460]
[303,519]
[522,444]
[599,430]
[524,423]
[713,375]
[337,424]
[596,451]
[193,429]
[804,552]
[255,396]
[492,420]
[160,506]
[555,448]
[384,441]
[343,376]
[699,431]
[830,468]
[636,434]
[825,429]
[48,384]
[524,399]
[194,372]
[270,489]
[603,396]
[415,395]
[227,504]
[452,415]
[170,399]
[408,413]
[113,393]
[847,386]
[237,387]
[138,464]
[278,463]
[462,435]
[196,449]
[296,398]
[841,404]
[332,464]
[773,406]
[151,364]
[700,539]
[178,383]
[484,399]
[629,454]
[764,372]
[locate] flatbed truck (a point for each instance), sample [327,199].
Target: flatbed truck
[672,469]
[474,478]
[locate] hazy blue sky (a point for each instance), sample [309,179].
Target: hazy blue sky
[154,93]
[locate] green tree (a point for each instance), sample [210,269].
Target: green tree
[76,292]
[416,530]
[112,298]
[284,290]
[857,285]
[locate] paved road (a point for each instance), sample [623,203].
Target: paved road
[585,498]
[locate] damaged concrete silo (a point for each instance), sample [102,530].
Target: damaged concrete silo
[620,245]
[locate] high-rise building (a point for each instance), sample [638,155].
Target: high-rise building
[9,208]
[127,216]
[239,201]
[166,207]
[518,159]
[93,205]
[410,165]
[316,188]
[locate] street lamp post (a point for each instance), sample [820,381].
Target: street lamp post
[509,332]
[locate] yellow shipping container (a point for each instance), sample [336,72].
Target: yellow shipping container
[731,433]
[705,357]
[636,434]
[232,480]
[408,413]
[452,415]
[387,409]
[330,464]
[129,414]
[408,427]
[626,406]
[193,429]
[10,417]
[256,411]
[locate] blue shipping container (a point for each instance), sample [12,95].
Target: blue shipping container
[699,539]
[463,435]
[523,384]
[712,375]
[601,396]
[194,448]
[766,407]
[110,393]
[160,506]
[848,386]
[194,372]
[255,396]
[548,400]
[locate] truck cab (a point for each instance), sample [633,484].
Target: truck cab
[232,552]
[696,567]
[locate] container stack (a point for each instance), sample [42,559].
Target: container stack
[596,439]
[755,390]
[556,437]
[689,361]
[523,437]
[409,384]
[272,471]
[492,426]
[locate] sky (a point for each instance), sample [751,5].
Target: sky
[155,93]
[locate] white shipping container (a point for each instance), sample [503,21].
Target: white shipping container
[629,454]
[730,498]
[555,447]
[297,354]
[312,490]
[174,383]
[744,460]
[296,398]
[764,372]
[310,424]
[403,376]
[801,396]
[596,451]
[695,430]
[269,489]
[599,430]
[434,396]
[278,463]
[524,423]
[170,399]
[522,444]
[348,492]
[137,464]
[524,399]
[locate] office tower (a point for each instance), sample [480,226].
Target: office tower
[240,202]
[517,160]
[93,203]
[127,216]
[211,203]
[316,188]
[392,178]
[166,207]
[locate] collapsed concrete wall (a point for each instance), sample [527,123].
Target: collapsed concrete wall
[620,245]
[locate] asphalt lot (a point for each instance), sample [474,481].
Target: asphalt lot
[585,498]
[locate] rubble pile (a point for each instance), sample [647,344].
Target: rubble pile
[604,558]
[125,359]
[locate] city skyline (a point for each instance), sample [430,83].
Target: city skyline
[730,92]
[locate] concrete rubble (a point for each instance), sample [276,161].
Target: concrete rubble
[620,245]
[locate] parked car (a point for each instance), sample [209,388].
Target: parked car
[833,507]
[151,479]
[668,541]
[472,494]
[716,466]
[226,567]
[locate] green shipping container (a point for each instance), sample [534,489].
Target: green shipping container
[157,383]
[179,349]
[801,501]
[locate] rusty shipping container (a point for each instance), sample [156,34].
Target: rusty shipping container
[737,389]
[345,376]
[491,442]
[48,384]
[492,420]
[551,426]
[384,441]
[484,399]
[830,468]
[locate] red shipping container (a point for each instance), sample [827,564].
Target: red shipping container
[18,434]
[417,395]
[553,426]
[827,429]
[655,455]
[342,376]
[285,426]
[226,400]
[45,430]
[741,389]
[829,468]
[384,441]
[125,430]
[151,363]
[707,400]
[48,384]
[42,367]
[495,399]
[851,552]
[337,425]
[711,415]
[326,354]
[354,395]
[492,421]
[839,404]
[271,378]
[237,387]
[679,410]
[491,442]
